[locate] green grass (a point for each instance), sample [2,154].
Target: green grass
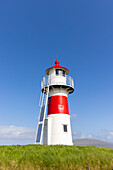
[31,157]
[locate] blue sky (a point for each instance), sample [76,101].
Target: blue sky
[32,33]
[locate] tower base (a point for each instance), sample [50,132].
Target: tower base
[57,130]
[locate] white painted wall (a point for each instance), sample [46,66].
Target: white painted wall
[55,132]
[58,91]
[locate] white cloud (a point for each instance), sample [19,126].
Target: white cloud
[109,136]
[79,135]
[73,116]
[23,135]
[90,135]
[111,133]
[104,135]
[14,132]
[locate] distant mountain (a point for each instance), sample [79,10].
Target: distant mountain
[94,142]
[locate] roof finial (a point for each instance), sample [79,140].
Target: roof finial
[57,62]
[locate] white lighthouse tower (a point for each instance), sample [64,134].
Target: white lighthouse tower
[55,87]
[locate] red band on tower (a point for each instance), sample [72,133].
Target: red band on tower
[58,105]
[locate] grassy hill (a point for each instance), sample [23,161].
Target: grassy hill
[30,157]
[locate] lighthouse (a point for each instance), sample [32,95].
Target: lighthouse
[55,128]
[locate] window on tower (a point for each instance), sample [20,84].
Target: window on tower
[60,72]
[63,73]
[65,128]
[57,71]
[49,100]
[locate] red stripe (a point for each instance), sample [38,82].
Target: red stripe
[58,104]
